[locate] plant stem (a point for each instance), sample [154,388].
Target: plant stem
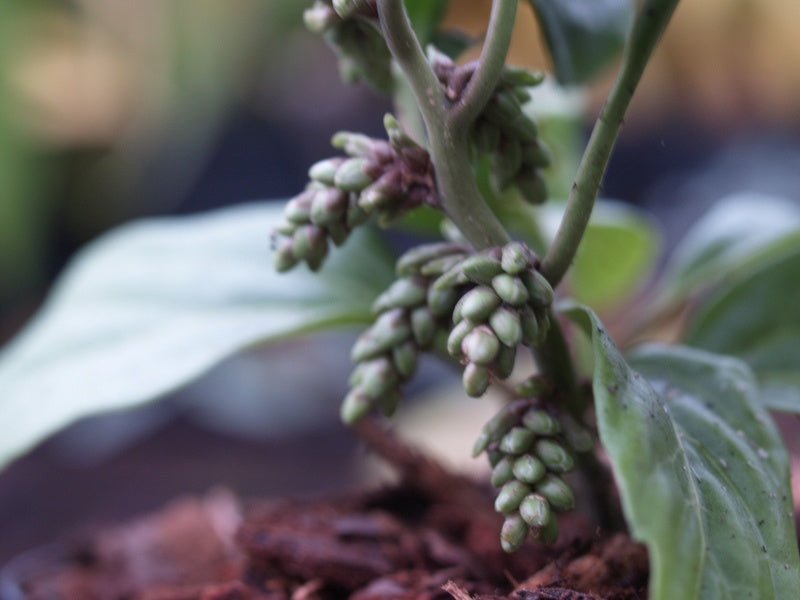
[490,65]
[647,29]
[449,145]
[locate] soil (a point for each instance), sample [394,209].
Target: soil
[433,535]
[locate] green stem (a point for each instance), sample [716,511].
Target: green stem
[647,29]
[490,64]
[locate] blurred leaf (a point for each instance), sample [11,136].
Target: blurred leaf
[615,256]
[452,43]
[426,15]
[737,234]
[758,320]
[583,36]
[153,305]
[702,472]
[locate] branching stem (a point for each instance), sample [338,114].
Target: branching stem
[647,30]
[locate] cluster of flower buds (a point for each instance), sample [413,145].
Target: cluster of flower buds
[350,27]
[503,302]
[528,452]
[411,315]
[503,131]
[377,177]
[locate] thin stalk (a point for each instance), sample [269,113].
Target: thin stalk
[647,30]
[490,65]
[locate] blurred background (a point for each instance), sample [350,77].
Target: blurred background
[112,110]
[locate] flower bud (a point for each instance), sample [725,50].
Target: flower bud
[352,176]
[528,469]
[383,193]
[541,422]
[517,441]
[485,137]
[423,326]
[441,301]
[284,257]
[324,171]
[504,363]
[439,266]
[319,18]
[554,456]
[539,289]
[355,407]
[354,144]
[481,269]
[355,214]
[515,258]
[534,386]
[348,8]
[298,209]
[480,346]
[389,402]
[389,329]
[530,326]
[531,186]
[525,131]
[378,378]
[510,496]
[502,472]
[404,357]
[309,242]
[451,278]
[328,205]
[479,303]
[406,292]
[412,261]
[475,379]
[337,232]
[537,155]
[508,161]
[513,533]
[503,109]
[536,511]
[510,289]
[456,337]
[519,77]
[558,493]
[547,534]
[506,326]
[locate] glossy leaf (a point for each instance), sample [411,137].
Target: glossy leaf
[702,472]
[757,319]
[153,305]
[583,36]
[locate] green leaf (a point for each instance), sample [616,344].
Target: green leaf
[757,319]
[615,256]
[702,472]
[583,36]
[737,234]
[153,305]
[425,16]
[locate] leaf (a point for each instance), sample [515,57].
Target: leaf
[739,232]
[703,475]
[757,319]
[425,16]
[616,254]
[153,305]
[583,36]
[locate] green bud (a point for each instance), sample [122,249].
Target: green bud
[327,206]
[502,473]
[284,257]
[479,303]
[557,492]
[508,161]
[441,301]
[503,109]
[319,18]
[517,441]
[389,402]
[423,326]
[406,292]
[480,346]
[531,186]
[578,437]
[481,269]
[534,386]
[540,422]
[504,420]
[298,209]
[513,533]
[547,534]
[537,155]
[405,359]
[439,266]
[355,407]
[348,8]
[352,175]
[504,363]
[520,77]
[536,511]
[354,144]
[530,326]
[554,456]
[515,258]
[456,337]
[540,290]
[324,171]
[398,138]
[528,469]
[485,137]
[510,496]
[475,379]
[309,242]
[510,289]
[450,279]
[494,456]
[506,326]
[337,232]
[378,378]
[355,214]
[412,261]
[389,329]
[543,319]
[383,194]
[316,257]
[526,132]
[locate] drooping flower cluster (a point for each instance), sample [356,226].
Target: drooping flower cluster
[376,178]
[503,131]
